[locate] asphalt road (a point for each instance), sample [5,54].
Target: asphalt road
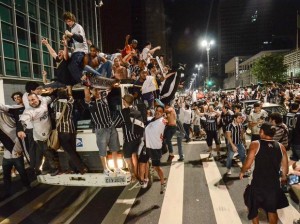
[198,191]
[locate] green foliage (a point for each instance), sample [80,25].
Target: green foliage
[270,68]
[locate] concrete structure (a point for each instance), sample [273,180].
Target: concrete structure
[238,69]
[23,23]
[292,61]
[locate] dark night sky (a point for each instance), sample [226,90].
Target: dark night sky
[189,21]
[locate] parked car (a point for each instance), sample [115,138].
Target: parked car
[269,107]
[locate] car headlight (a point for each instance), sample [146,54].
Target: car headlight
[111,165]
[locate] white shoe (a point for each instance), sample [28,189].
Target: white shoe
[109,173]
[119,171]
[145,183]
[228,172]
[13,175]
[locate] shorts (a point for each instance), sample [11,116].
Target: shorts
[155,155]
[144,155]
[149,97]
[210,135]
[131,147]
[268,199]
[107,137]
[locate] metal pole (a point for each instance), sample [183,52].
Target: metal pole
[96,23]
[208,78]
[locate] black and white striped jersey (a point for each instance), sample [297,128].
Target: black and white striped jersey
[236,132]
[66,124]
[100,113]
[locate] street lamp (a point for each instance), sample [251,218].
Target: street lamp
[207,44]
[96,21]
[198,67]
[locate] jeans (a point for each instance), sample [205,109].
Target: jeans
[104,70]
[187,131]
[75,65]
[68,143]
[7,165]
[30,147]
[241,151]
[168,134]
[179,143]
[42,150]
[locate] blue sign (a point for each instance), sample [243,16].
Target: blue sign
[79,142]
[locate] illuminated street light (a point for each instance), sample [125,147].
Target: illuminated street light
[207,44]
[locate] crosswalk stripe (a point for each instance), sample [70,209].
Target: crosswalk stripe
[172,207]
[31,207]
[122,206]
[17,194]
[69,213]
[288,214]
[224,209]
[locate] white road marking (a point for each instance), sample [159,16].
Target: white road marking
[69,213]
[172,207]
[288,214]
[17,194]
[224,209]
[122,206]
[31,207]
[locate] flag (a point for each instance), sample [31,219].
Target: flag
[169,87]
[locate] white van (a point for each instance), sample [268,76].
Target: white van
[87,148]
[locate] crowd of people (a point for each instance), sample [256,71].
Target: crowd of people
[26,126]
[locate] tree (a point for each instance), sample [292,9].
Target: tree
[270,68]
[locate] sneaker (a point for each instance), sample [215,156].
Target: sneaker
[170,158]
[56,172]
[13,174]
[162,188]
[235,154]
[145,183]
[228,172]
[119,171]
[181,159]
[108,173]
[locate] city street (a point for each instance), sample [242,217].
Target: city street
[198,191]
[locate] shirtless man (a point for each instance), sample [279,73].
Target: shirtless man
[119,71]
[94,63]
[170,130]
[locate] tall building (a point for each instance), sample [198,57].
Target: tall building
[247,27]
[23,23]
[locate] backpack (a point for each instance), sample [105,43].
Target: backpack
[137,122]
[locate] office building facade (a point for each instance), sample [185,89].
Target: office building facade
[248,27]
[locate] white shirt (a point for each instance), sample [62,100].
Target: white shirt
[79,47]
[153,133]
[149,84]
[187,116]
[16,152]
[145,55]
[39,119]
[26,105]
